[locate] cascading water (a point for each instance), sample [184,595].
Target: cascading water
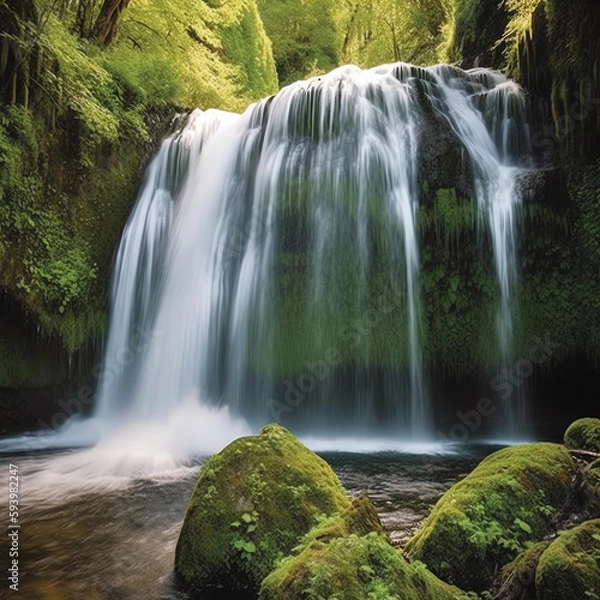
[309,168]
[139,264]
[271,266]
[488,113]
[291,219]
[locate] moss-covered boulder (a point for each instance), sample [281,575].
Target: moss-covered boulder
[570,567]
[591,489]
[487,519]
[252,504]
[584,434]
[517,579]
[353,567]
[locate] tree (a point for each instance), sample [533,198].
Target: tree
[105,29]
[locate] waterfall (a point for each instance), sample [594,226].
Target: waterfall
[488,113]
[265,250]
[139,263]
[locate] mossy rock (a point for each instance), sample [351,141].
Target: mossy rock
[252,504]
[570,567]
[584,434]
[517,579]
[487,519]
[359,518]
[353,567]
[591,489]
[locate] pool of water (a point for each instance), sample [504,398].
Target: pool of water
[114,538]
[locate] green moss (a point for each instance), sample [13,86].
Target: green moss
[360,518]
[584,434]
[252,504]
[487,519]
[591,490]
[517,578]
[452,216]
[353,567]
[570,567]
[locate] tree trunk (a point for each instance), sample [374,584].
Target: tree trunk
[107,22]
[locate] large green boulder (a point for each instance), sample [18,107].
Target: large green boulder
[488,518]
[353,567]
[253,503]
[584,434]
[570,567]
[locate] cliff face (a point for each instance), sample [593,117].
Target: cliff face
[552,48]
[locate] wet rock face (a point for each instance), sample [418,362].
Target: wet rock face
[478,33]
[443,161]
[486,520]
[252,504]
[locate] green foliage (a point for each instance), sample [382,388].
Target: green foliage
[151,81]
[305,37]
[70,155]
[314,36]
[246,44]
[218,51]
[80,81]
[383,31]
[491,516]
[245,527]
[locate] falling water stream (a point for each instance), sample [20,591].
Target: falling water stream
[272,224]
[264,249]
